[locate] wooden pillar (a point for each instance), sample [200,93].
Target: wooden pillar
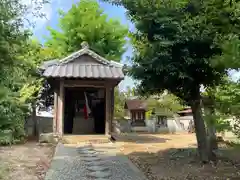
[112,109]
[61,108]
[55,115]
[107,111]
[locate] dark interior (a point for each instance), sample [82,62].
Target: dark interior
[74,104]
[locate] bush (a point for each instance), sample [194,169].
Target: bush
[12,119]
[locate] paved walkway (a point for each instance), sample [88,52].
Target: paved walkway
[91,162]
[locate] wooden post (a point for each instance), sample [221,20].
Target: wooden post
[61,108]
[107,111]
[55,116]
[112,109]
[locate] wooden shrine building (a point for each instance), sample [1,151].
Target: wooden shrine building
[83,84]
[136,109]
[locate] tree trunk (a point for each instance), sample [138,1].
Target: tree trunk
[34,119]
[212,139]
[212,143]
[200,128]
[209,109]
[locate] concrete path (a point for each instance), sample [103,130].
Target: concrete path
[91,162]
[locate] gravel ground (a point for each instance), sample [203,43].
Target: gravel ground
[71,163]
[28,161]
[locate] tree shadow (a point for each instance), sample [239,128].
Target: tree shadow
[139,138]
[184,163]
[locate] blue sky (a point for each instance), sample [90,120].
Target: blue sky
[51,12]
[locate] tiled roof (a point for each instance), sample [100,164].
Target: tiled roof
[83,64]
[136,104]
[46,64]
[74,70]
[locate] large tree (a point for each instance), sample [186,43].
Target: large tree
[12,36]
[86,21]
[14,71]
[175,48]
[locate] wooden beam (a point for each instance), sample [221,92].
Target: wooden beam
[89,83]
[83,86]
[61,108]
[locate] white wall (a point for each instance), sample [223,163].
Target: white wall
[177,124]
[45,125]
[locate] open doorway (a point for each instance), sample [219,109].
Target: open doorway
[76,120]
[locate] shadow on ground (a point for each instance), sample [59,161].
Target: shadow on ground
[183,164]
[139,138]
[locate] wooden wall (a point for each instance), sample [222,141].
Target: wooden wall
[59,96]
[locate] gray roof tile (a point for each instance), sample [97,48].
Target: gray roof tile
[83,64]
[75,70]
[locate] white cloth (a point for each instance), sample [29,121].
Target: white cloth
[87,105]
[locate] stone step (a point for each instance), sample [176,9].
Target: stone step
[76,139]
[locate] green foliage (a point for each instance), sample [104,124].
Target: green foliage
[218,121]
[32,57]
[11,38]
[13,113]
[165,105]
[176,41]
[231,53]
[119,102]
[17,71]
[227,98]
[86,21]
[131,92]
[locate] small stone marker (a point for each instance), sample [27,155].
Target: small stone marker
[86,151]
[90,159]
[97,168]
[91,152]
[48,138]
[92,163]
[86,148]
[88,155]
[100,174]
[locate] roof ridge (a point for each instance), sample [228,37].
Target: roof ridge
[63,64]
[89,52]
